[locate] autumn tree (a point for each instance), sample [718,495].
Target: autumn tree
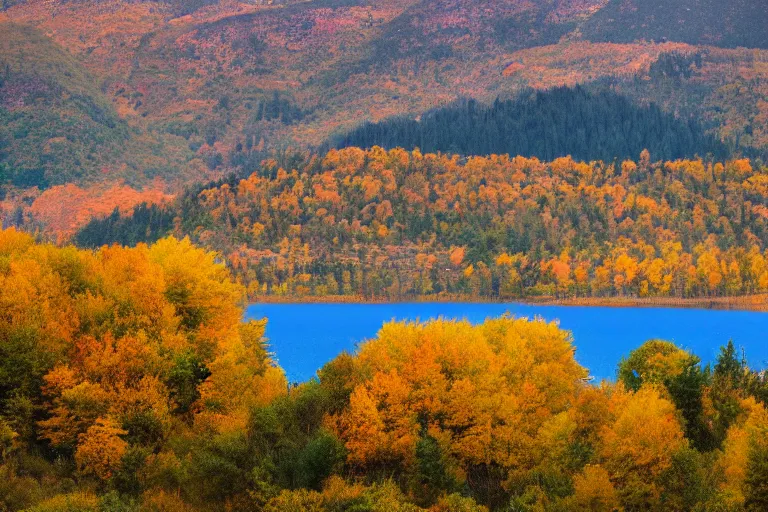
[421,389]
[100,449]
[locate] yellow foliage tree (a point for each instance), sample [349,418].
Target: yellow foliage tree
[101,449]
[638,445]
[482,392]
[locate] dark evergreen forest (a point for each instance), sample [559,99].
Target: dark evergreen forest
[550,124]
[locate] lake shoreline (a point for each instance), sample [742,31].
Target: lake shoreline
[757,302]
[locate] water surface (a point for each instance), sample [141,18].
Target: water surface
[306,336]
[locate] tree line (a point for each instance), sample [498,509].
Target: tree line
[563,121]
[376,224]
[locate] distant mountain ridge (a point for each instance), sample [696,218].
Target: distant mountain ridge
[200,89]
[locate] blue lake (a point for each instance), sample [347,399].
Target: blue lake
[306,336]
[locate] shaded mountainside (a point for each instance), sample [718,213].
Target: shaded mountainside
[560,122]
[55,124]
[728,24]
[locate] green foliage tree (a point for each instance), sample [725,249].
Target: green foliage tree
[727,378]
[655,362]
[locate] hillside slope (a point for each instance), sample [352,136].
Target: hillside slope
[55,124]
[216,86]
[58,126]
[208,74]
[727,24]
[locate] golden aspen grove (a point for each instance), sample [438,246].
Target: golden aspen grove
[376,224]
[128,381]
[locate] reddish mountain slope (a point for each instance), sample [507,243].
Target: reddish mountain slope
[203,87]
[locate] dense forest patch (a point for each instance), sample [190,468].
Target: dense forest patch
[546,124]
[376,224]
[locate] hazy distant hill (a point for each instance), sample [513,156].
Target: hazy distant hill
[436,29]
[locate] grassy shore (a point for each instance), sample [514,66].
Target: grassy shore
[746,303]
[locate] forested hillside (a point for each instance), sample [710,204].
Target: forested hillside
[548,125]
[728,24]
[198,90]
[394,224]
[57,126]
[129,383]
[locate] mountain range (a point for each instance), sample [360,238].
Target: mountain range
[122,101]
